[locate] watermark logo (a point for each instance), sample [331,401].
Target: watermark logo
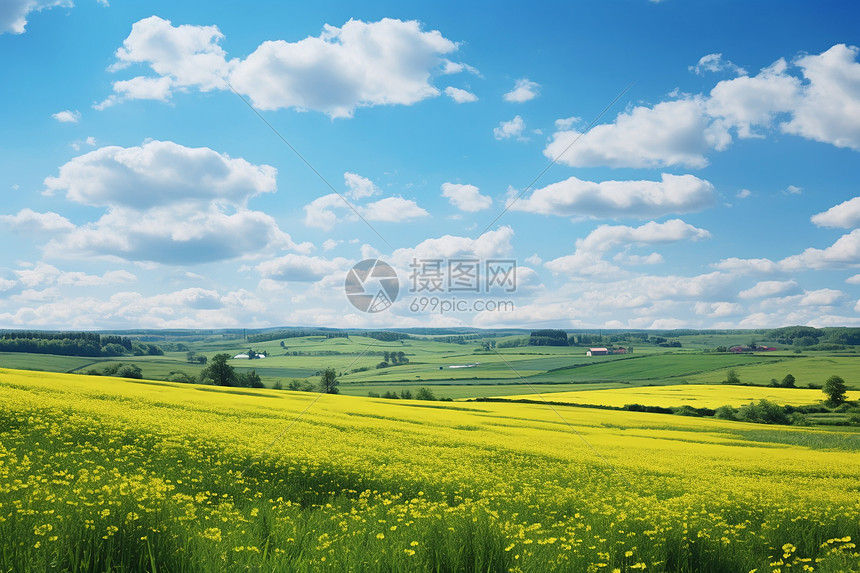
[371,285]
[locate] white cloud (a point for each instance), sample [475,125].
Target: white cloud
[768,288]
[320,212]
[718,309]
[793,190]
[13,13]
[853,280]
[743,194]
[392,209]
[301,268]
[524,90]
[28,221]
[460,96]
[186,56]
[846,215]
[829,109]
[822,297]
[747,266]
[43,274]
[747,102]
[330,244]
[175,236]
[141,87]
[359,187]
[466,197]
[845,252]
[361,64]
[670,133]
[491,244]
[628,259]
[67,116]
[160,173]
[641,199]
[508,129]
[716,63]
[169,204]
[587,259]
[824,106]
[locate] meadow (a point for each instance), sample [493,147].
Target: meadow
[433,362]
[103,474]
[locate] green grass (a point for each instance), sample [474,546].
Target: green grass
[44,362]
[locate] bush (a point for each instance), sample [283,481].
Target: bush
[686,410]
[726,413]
[424,394]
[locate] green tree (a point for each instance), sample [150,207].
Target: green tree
[250,380]
[732,377]
[424,393]
[328,381]
[788,381]
[835,389]
[219,371]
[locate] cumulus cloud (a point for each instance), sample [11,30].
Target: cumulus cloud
[389,62]
[716,63]
[844,253]
[302,268]
[641,199]
[67,116]
[30,222]
[326,211]
[491,244]
[175,236]
[748,102]
[460,96]
[158,173]
[670,133]
[320,212]
[718,309]
[587,259]
[13,13]
[747,266]
[43,275]
[524,90]
[822,297]
[167,203]
[466,197]
[829,109]
[846,215]
[509,129]
[393,210]
[815,96]
[768,288]
[359,187]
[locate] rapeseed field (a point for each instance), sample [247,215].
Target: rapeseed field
[695,395]
[100,474]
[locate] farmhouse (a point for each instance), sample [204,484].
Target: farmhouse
[597,352]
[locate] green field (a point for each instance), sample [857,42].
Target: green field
[492,373]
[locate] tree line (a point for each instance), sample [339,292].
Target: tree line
[88,344]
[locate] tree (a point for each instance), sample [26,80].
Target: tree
[250,380]
[788,381]
[732,377]
[328,381]
[221,373]
[835,389]
[425,394]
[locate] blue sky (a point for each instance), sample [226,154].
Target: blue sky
[143,187]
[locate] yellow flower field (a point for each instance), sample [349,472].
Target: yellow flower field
[695,395]
[101,474]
